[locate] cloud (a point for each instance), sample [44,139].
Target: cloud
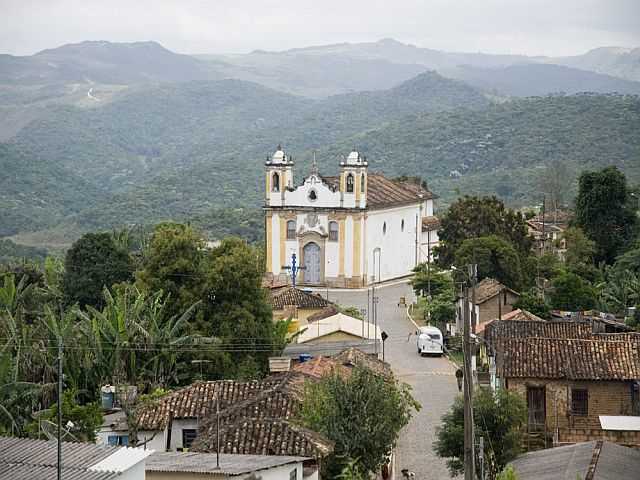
[220,26]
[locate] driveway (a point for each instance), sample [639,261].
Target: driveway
[433,380]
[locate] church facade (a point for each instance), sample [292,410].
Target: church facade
[347,231]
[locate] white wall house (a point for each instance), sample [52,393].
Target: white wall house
[347,231]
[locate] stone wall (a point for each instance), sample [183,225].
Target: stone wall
[604,398]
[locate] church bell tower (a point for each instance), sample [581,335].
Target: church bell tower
[353,180]
[278,177]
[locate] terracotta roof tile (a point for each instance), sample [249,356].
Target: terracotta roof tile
[430,223]
[197,400]
[353,356]
[290,296]
[488,288]
[326,312]
[263,424]
[571,359]
[519,314]
[320,366]
[383,192]
[499,330]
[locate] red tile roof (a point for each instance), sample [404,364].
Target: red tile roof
[383,192]
[488,288]
[500,330]
[290,296]
[430,223]
[570,359]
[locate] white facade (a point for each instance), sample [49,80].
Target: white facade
[346,231]
[157,439]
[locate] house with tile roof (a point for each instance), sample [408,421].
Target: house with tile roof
[256,418]
[346,231]
[288,302]
[569,377]
[492,300]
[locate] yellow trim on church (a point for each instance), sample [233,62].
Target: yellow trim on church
[268,236]
[342,186]
[283,236]
[356,247]
[268,183]
[341,237]
[357,189]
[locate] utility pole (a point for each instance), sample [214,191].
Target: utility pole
[217,432]
[469,460]
[59,408]
[481,457]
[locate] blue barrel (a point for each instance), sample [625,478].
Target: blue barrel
[304,357]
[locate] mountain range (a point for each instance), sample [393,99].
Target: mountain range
[96,134]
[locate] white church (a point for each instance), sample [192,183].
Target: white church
[348,231]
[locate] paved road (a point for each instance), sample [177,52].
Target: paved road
[433,381]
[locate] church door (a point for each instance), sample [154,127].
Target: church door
[312,263]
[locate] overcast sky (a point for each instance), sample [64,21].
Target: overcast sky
[533,27]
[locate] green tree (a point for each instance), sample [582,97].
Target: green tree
[507,474]
[473,217]
[235,307]
[571,292]
[531,302]
[630,260]
[79,422]
[431,279]
[620,291]
[498,417]
[173,264]
[604,213]
[496,258]
[362,413]
[93,262]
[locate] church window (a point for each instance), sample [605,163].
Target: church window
[362,183]
[313,196]
[275,184]
[402,225]
[333,231]
[291,230]
[384,228]
[350,183]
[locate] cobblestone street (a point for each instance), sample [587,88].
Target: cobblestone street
[433,381]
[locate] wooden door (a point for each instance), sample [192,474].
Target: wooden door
[312,263]
[536,405]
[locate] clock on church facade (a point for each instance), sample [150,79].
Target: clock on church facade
[346,231]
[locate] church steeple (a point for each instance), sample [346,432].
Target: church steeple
[353,180]
[278,176]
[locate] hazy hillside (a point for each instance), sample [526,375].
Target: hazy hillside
[103,62]
[79,155]
[539,79]
[617,61]
[180,149]
[502,148]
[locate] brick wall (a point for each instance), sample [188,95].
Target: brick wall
[604,398]
[489,309]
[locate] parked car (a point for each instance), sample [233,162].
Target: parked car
[430,341]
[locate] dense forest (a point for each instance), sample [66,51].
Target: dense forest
[77,158]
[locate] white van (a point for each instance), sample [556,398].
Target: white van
[430,341]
